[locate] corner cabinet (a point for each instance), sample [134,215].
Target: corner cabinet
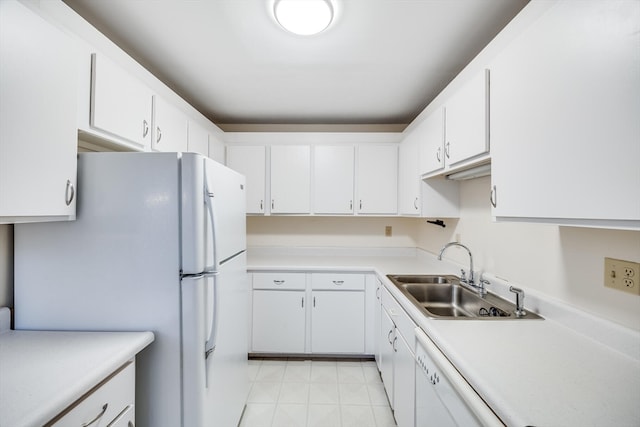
[38,118]
[565,108]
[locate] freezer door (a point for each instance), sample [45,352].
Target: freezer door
[215,345]
[213,214]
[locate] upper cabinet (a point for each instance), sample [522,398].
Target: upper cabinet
[121,105]
[467,121]
[251,162]
[333,179]
[198,141]
[430,132]
[290,179]
[565,107]
[169,127]
[38,118]
[377,179]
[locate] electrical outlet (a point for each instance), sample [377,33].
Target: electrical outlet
[387,231]
[622,275]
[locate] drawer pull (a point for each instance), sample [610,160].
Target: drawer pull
[278,282]
[97,418]
[338,282]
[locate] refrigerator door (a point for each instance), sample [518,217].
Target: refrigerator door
[215,383]
[213,214]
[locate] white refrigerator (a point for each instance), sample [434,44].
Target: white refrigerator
[158,244]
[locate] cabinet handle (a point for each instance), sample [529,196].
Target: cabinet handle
[395,340]
[493,198]
[159,136]
[438,154]
[145,128]
[389,337]
[338,282]
[350,205]
[378,292]
[415,203]
[446,149]
[314,301]
[278,282]
[272,204]
[130,424]
[261,205]
[97,418]
[360,204]
[302,303]
[69,193]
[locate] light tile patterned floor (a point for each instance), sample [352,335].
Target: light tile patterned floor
[306,393]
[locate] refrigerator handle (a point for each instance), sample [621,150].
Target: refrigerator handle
[209,201]
[212,329]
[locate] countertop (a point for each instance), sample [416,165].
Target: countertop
[570,369]
[43,372]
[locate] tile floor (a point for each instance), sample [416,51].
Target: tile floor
[310,393]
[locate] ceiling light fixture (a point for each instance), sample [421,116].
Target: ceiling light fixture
[303,17]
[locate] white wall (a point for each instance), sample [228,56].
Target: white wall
[566,263]
[330,231]
[6,265]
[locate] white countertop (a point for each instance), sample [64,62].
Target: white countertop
[531,372]
[42,373]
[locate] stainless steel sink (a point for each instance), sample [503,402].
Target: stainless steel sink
[442,296]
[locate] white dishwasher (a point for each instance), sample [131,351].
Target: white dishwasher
[443,397]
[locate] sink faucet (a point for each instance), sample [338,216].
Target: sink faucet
[479,288]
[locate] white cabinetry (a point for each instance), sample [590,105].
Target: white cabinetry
[290,179]
[38,118]
[251,162]
[198,141]
[333,179]
[104,405]
[337,313]
[120,104]
[467,121]
[397,365]
[319,313]
[409,196]
[169,127]
[279,313]
[431,134]
[565,108]
[377,179]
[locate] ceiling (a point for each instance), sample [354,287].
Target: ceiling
[381,61]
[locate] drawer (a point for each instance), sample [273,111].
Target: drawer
[337,281]
[399,317]
[104,403]
[279,281]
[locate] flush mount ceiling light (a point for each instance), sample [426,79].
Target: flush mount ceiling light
[303,17]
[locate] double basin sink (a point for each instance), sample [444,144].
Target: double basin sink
[445,297]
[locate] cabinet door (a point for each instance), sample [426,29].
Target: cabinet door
[38,118]
[333,172]
[387,335]
[198,141]
[278,321]
[250,161]
[377,321]
[377,179]
[409,200]
[467,121]
[565,108]
[120,104]
[290,179]
[337,322]
[431,133]
[169,128]
[404,378]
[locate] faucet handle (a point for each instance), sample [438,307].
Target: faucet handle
[463,275]
[519,301]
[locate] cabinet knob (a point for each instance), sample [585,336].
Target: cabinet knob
[69,193]
[493,198]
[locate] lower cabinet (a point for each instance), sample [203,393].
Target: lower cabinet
[111,404]
[298,313]
[278,321]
